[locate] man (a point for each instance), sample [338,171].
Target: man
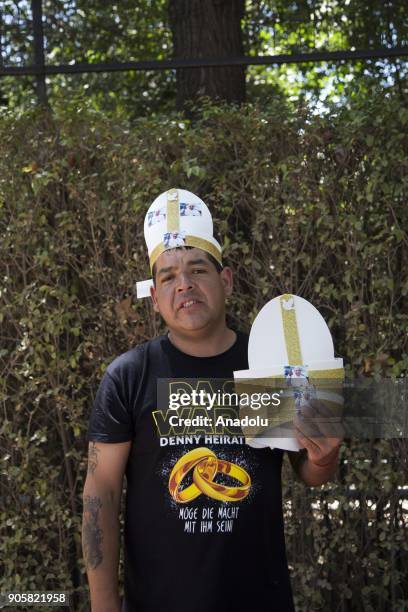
[203,524]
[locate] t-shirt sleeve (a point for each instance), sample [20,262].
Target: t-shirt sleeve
[111,419]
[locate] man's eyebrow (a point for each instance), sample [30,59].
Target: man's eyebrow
[195,262]
[165,270]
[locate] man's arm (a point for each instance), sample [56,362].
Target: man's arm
[100,525]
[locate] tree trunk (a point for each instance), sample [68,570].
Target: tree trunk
[208,29]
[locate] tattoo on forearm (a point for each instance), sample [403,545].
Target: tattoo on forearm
[92,533]
[92,458]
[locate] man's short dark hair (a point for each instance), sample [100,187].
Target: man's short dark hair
[210,257]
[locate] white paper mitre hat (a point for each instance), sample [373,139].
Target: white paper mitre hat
[177,218]
[290,331]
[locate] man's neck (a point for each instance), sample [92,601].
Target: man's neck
[204,345]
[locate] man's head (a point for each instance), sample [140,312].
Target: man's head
[184,221]
[190,289]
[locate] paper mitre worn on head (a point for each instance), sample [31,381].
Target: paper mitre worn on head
[177,218]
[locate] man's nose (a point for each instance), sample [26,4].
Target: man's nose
[185,282]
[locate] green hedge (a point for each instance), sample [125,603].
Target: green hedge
[304,204]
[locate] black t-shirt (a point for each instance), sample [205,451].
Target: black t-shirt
[194,541]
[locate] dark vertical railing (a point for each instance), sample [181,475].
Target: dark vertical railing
[39,60]
[3,101]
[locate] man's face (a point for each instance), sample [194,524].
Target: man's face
[190,293]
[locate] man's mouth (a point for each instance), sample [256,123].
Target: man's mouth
[189,304]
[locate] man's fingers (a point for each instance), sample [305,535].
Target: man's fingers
[319,450]
[329,429]
[320,407]
[308,443]
[306,427]
[323,419]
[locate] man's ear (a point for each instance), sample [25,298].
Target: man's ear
[154,298]
[226,278]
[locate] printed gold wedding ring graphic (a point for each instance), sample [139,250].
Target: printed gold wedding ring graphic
[206,466]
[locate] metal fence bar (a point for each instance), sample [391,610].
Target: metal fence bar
[263,60]
[39,59]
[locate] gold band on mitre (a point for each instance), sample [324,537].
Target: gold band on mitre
[191,241]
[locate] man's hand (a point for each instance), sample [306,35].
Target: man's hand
[319,431]
[321,434]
